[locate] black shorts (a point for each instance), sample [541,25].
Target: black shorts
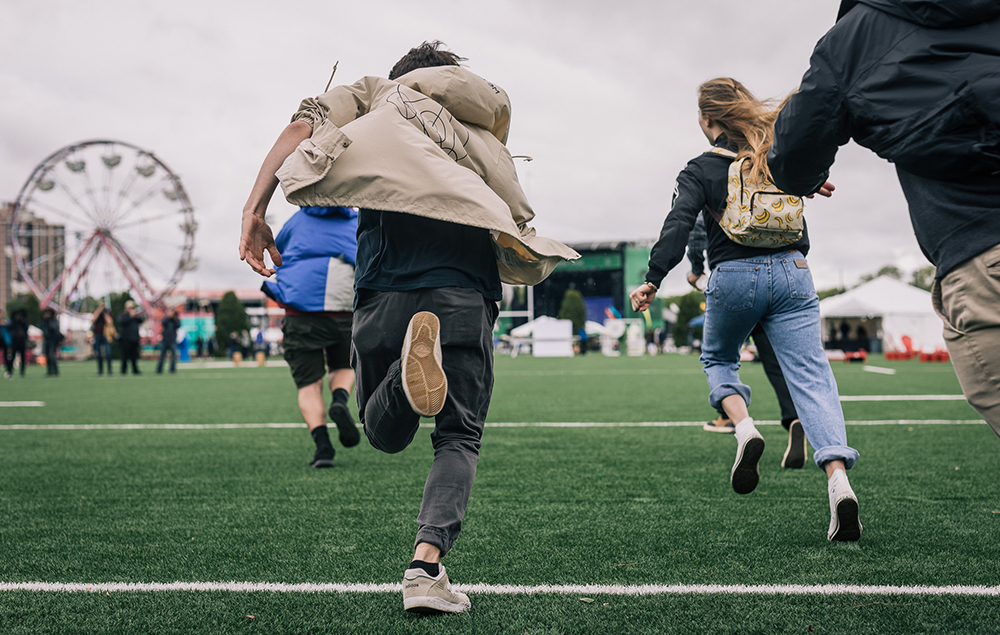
[306,338]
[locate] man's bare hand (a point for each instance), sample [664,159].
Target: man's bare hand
[642,297]
[824,190]
[255,239]
[693,279]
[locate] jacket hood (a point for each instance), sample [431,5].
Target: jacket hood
[467,96]
[934,14]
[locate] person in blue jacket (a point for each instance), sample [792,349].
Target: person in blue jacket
[315,286]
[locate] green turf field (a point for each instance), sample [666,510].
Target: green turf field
[91,496]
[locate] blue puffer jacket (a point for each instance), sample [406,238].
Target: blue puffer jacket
[318,247]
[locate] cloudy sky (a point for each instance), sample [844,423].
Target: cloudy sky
[603,98]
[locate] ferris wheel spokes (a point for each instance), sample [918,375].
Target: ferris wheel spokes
[76,201]
[93,246]
[137,281]
[49,294]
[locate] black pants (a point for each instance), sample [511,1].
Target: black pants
[130,353]
[51,349]
[774,375]
[16,348]
[467,318]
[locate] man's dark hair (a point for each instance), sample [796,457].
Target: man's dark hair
[426,55]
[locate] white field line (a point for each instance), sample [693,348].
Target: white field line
[569,424]
[903,398]
[504,589]
[22,404]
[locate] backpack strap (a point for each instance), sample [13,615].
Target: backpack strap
[721,151]
[725,152]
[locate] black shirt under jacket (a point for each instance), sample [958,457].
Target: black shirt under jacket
[702,184]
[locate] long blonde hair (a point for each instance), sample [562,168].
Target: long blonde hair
[747,121]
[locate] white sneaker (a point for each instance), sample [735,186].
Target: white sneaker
[424,381]
[424,593]
[844,521]
[750,445]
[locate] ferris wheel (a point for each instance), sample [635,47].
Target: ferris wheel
[102,217]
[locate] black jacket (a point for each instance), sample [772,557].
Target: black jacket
[917,82]
[128,326]
[702,185]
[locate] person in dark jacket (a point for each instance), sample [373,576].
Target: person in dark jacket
[128,328]
[750,285]
[5,343]
[168,341]
[103,329]
[917,82]
[18,330]
[52,338]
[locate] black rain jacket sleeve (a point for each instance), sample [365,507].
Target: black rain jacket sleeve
[801,155]
[689,199]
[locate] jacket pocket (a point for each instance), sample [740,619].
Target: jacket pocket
[953,139]
[733,287]
[310,162]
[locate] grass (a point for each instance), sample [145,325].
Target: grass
[596,505]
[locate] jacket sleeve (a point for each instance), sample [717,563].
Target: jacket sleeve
[310,162]
[697,244]
[688,201]
[811,127]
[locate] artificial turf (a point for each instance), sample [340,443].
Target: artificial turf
[551,506]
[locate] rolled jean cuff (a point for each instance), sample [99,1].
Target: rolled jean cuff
[722,391]
[833,452]
[434,536]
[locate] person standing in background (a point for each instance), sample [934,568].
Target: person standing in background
[128,325]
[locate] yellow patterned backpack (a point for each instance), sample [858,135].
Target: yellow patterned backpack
[757,213]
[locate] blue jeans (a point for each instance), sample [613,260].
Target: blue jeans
[102,352]
[172,349]
[777,291]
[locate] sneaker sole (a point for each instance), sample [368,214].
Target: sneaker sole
[429,605]
[320,463]
[708,427]
[349,436]
[795,453]
[848,528]
[424,381]
[745,474]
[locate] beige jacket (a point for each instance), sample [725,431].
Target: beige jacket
[429,144]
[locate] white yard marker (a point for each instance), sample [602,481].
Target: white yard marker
[879,369]
[22,404]
[506,589]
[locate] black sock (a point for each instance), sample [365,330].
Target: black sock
[341,396]
[432,568]
[322,437]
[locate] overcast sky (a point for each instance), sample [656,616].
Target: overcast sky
[603,94]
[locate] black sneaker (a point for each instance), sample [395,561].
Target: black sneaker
[341,415]
[795,453]
[323,458]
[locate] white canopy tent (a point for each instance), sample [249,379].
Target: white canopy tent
[904,310]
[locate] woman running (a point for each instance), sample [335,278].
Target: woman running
[748,285]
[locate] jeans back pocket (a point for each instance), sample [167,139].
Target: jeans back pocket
[732,287]
[800,281]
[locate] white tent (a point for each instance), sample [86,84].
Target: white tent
[903,309]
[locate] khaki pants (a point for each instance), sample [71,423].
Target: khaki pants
[968,301]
